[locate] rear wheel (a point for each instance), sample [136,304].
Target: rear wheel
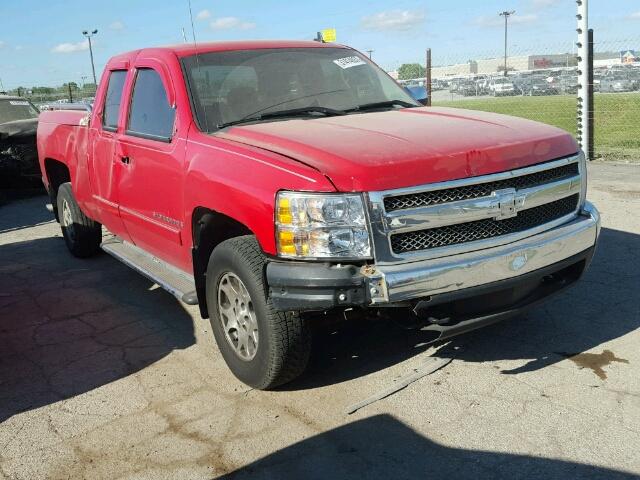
[263,347]
[81,234]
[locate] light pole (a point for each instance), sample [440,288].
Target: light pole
[93,68]
[369,52]
[506,14]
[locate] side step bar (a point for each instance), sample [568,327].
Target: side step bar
[180,284]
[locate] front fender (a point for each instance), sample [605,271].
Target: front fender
[242,181]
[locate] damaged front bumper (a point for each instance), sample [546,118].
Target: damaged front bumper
[477,287]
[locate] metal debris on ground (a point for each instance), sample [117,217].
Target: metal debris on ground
[433,365]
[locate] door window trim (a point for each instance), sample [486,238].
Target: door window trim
[148,136]
[109,128]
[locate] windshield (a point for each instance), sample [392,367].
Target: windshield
[230,86]
[15,109]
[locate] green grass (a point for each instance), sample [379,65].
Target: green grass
[617,118]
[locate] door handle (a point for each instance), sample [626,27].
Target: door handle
[126,160]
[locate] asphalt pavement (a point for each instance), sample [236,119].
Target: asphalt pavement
[105,376]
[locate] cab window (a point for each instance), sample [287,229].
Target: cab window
[113,99]
[150,115]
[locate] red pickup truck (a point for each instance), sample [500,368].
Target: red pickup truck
[265,181]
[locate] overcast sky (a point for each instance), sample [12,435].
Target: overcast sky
[41,41]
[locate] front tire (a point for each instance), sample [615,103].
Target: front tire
[81,234]
[262,347]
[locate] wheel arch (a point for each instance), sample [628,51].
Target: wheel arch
[57,173]
[209,228]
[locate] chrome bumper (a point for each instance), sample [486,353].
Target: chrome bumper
[401,282]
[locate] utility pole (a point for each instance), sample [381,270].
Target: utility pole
[93,68]
[585,106]
[427,77]
[506,14]
[369,52]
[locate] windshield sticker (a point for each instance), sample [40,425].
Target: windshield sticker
[18,102]
[348,62]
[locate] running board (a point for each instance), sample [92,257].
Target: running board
[180,284]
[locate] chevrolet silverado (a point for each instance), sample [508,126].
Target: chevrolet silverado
[268,181]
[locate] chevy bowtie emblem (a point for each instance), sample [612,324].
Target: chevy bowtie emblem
[506,203]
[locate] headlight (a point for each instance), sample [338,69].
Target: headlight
[310,225]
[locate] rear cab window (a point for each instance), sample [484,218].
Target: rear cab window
[14,109]
[113,99]
[150,115]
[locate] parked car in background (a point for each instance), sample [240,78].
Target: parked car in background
[18,154]
[502,86]
[568,83]
[617,82]
[85,107]
[597,79]
[418,93]
[468,88]
[534,86]
[274,183]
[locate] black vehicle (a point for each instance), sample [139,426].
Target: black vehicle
[537,86]
[568,83]
[18,152]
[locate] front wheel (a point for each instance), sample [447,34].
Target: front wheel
[262,347]
[81,234]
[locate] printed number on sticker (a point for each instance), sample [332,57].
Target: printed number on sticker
[348,62]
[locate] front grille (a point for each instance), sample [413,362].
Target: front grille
[425,199]
[482,229]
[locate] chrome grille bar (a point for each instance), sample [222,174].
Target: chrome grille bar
[464,211]
[491,198]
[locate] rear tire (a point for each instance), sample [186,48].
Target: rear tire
[81,234]
[279,343]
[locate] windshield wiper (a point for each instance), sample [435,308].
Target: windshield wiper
[292,112]
[385,104]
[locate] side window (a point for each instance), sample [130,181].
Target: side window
[150,114]
[113,99]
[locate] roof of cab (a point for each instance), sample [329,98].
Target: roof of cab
[186,49]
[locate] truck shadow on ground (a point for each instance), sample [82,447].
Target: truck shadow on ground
[601,307]
[68,326]
[381,447]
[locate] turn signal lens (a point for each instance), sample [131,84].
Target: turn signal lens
[312,225]
[284,211]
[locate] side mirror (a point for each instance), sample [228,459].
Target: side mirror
[418,93]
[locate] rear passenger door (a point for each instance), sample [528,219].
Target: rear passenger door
[150,155]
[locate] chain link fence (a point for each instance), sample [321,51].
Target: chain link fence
[64,93]
[542,83]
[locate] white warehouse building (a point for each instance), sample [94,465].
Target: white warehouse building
[493,65]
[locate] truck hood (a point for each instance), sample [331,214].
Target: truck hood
[408,147]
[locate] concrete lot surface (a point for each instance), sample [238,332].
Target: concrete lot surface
[104,376]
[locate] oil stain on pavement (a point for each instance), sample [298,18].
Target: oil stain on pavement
[595,361]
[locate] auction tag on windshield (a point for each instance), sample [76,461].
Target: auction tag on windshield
[18,102]
[348,62]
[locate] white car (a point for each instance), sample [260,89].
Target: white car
[501,87]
